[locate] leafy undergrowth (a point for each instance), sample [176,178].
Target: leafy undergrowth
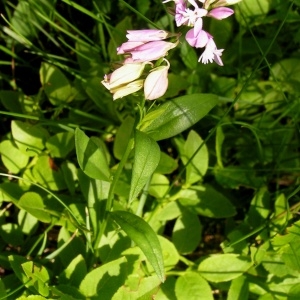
[193,196]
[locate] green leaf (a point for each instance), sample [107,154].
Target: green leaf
[147,289]
[56,85]
[48,174]
[16,262]
[146,159]
[39,277]
[294,292]
[33,203]
[159,185]
[207,201]
[30,139]
[169,252]
[197,167]
[60,144]
[252,11]
[144,237]
[10,191]
[239,289]
[189,56]
[259,208]
[122,137]
[224,267]
[27,222]
[192,286]
[11,234]
[105,280]
[187,232]
[26,20]
[91,159]
[167,290]
[177,115]
[219,142]
[13,159]
[2,290]
[166,164]
[95,193]
[74,273]
[12,100]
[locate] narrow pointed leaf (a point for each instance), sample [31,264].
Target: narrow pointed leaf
[144,237]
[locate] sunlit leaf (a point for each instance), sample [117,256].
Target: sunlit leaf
[146,159]
[177,115]
[193,286]
[224,267]
[92,160]
[144,237]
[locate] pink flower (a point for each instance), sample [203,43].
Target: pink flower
[147,51]
[156,82]
[220,13]
[197,37]
[146,35]
[211,53]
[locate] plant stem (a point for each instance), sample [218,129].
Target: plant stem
[139,211]
[110,199]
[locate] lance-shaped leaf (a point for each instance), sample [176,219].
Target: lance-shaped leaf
[146,159]
[144,237]
[91,158]
[177,115]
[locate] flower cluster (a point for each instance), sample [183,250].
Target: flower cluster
[190,13]
[142,48]
[145,65]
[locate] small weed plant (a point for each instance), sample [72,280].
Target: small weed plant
[149,149]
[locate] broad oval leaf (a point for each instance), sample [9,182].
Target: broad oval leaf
[91,159]
[13,159]
[60,144]
[177,115]
[224,267]
[192,286]
[187,232]
[33,203]
[30,139]
[146,159]
[207,201]
[105,280]
[56,85]
[144,237]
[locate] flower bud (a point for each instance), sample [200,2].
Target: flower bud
[123,75]
[124,90]
[156,83]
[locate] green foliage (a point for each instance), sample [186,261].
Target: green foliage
[193,196]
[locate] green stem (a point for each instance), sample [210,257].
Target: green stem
[39,239]
[139,211]
[110,199]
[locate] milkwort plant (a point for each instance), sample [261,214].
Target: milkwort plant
[190,196]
